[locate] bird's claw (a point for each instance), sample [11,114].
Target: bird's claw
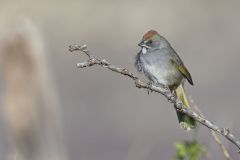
[150,85]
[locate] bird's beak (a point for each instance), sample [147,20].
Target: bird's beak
[143,44]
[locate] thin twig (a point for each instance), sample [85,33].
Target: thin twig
[164,91]
[213,133]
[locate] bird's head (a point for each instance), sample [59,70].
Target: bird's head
[152,40]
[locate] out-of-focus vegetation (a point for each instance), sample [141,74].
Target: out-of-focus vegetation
[189,150]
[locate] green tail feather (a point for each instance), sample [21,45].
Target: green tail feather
[185,121]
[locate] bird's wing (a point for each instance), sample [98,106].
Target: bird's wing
[180,66]
[183,70]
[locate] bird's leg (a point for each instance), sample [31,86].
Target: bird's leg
[150,83]
[171,93]
[165,87]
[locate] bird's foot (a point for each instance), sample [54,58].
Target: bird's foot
[170,93]
[165,87]
[150,85]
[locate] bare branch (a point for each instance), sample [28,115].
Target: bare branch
[213,133]
[164,91]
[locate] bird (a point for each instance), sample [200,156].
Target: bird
[161,64]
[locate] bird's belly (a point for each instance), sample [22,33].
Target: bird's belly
[164,74]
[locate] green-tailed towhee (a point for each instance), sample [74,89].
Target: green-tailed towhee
[162,65]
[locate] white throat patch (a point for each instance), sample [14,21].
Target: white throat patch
[144,50]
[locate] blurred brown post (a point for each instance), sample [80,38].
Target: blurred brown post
[30,104]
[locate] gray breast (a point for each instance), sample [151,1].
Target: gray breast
[158,68]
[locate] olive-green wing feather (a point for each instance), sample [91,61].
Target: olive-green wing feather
[183,70]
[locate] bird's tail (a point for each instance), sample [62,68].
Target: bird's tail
[186,122]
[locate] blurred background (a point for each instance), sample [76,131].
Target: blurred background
[50,107]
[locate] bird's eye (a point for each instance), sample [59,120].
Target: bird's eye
[150,41]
